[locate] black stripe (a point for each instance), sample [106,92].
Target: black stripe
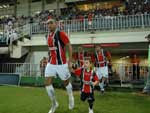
[57,41]
[61,42]
[104,58]
[96,63]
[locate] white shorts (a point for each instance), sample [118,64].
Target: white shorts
[102,72]
[62,71]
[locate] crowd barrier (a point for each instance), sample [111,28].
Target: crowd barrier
[119,71]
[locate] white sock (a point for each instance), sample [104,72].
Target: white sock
[101,85]
[70,94]
[69,90]
[51,93]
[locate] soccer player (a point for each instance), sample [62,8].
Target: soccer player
[101,66]
[57,64]
[88,80]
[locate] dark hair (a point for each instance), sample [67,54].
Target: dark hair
[88,58]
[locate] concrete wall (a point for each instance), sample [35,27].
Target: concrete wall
[99,37]
[35,56]
[23,8]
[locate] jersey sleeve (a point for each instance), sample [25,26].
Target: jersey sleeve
[93,57]
[77,72]
[108,54]
[95,77]
[64,37]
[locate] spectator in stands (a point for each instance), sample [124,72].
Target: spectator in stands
[136,68]
[9,32]
[57,42]
[81,19]
[130,8]
[90,16]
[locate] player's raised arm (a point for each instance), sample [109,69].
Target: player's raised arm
[77,72]
[69,47]
[96,81]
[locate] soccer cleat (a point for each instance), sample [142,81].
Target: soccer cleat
[53,108]
[91,110]
[71,103]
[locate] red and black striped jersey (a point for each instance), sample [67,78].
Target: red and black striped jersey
[87,77]
[56,42]
[100,58]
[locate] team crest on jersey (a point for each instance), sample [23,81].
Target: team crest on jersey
[88,74]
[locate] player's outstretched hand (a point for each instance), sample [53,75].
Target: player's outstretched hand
[70,65]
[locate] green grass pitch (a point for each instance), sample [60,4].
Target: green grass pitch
[35,100]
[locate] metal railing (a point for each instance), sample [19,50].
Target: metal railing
[24,69]
[126,72]
[9,36]
[20,32]
[101,23]
[121,72]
